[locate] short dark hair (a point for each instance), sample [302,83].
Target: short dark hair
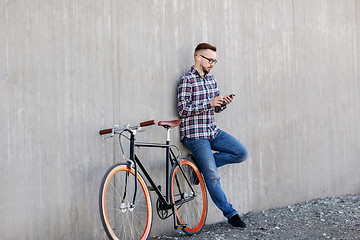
[201,46]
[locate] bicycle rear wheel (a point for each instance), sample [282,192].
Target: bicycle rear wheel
[190,204]
[120,219]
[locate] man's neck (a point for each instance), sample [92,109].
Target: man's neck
[198,68]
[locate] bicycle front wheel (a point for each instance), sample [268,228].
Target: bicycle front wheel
[120,217]
[189,196]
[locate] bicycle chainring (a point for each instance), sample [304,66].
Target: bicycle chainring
[162,212]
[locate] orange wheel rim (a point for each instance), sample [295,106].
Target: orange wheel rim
[147,197]
[202,220]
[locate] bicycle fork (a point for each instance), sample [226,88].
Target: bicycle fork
[130,163]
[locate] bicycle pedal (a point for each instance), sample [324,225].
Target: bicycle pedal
[181,226]
[151,188]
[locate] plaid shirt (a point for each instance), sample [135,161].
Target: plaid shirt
[196,114]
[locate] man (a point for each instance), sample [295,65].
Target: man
[198,99]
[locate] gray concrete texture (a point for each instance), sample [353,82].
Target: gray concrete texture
[70,68]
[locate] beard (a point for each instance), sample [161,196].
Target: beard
[206,70]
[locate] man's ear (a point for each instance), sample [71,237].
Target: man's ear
[198,57]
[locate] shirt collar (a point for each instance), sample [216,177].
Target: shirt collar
[194,70]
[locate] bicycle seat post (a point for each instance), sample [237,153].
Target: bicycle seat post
[168,130]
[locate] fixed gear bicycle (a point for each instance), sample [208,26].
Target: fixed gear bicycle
[124,199]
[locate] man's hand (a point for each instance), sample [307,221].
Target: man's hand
[216,101]
[228,99]
[221,101]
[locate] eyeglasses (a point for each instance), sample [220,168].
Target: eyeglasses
[211,61]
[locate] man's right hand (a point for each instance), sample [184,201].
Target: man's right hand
[216,101]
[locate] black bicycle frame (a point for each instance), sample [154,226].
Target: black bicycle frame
[169,156]
[170,159]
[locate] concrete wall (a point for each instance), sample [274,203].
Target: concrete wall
[70,68]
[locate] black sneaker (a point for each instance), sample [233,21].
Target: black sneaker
[193,177]
[236,222]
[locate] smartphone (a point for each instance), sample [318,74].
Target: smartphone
[217,109]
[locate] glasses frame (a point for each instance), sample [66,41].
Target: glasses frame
[211,61]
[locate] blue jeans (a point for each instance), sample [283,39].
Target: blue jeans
[228,150]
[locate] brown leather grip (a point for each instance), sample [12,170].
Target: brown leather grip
[105,131]
[147,123]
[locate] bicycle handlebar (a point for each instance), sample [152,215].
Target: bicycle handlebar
[105,131]
[147,123]
[142,124]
